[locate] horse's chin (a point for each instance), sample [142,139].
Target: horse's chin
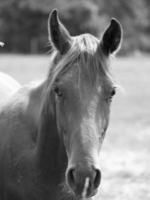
[88,197]
[68,194]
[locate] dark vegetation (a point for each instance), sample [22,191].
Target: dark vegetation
[23,23]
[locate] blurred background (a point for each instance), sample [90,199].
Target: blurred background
[125,156]
[23,23]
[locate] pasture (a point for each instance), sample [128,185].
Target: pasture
[125,159]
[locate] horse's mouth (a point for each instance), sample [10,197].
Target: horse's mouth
[83,196]
[87,196]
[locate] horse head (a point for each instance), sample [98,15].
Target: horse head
[82,88]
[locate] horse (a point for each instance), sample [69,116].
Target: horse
[8,86]
[51,132]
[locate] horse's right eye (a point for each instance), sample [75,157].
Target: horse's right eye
[57,91]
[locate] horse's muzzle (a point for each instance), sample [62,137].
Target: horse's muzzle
[83,182]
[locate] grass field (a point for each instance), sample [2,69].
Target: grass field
[125,156]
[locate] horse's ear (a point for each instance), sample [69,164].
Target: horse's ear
[58,34]
[111,38]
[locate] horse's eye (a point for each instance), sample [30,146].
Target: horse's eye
[113,92]
[58,91]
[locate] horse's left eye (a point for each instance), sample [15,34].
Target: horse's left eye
[113,92]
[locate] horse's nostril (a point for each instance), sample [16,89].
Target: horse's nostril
[97,179]
[70,177]
[76,179]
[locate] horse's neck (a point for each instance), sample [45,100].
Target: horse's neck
[50,152]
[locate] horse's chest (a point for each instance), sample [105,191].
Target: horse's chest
[24,184]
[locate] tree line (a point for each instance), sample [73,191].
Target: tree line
[23,23]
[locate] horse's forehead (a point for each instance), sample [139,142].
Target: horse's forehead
[76,80]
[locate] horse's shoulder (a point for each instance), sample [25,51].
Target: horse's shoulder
[8,86]
[8,83]
[20,98]
[15,118]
